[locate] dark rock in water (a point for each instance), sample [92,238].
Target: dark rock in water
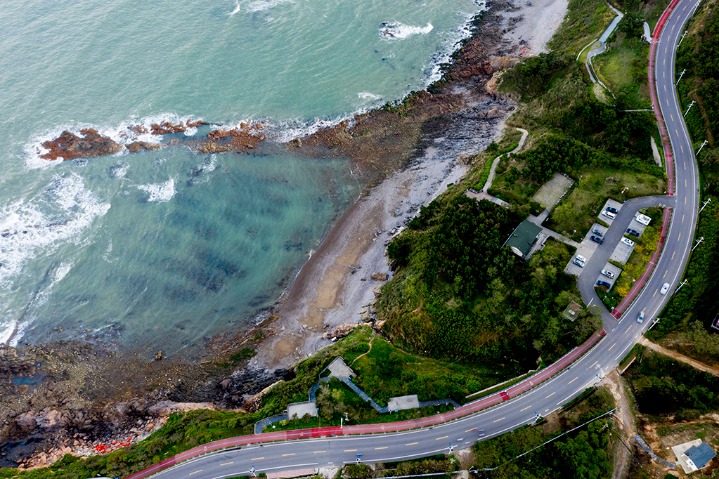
[137,146]
[13,452]
[69,146]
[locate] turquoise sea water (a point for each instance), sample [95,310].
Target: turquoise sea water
[165,248]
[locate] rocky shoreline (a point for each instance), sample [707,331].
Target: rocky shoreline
[75,397]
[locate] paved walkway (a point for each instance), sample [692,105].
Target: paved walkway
[490,178]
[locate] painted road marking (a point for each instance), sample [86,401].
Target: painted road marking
[350,450]
[500,419]
[665,274]
[680,237]
[411,444]
[256,458]
[610,347]
[440,438]
[685,182]
[318,452]
[288,454]
[682,218]
[470,430]
[199,470]
[525,408]
[570,382]
[680,145]
[655,293]
[380,448]
[672,116]
[227,463]
[550,395]
[665,88]
[673,254]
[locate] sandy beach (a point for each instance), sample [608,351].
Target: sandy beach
[335,283]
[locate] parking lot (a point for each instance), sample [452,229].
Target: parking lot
[612,270]
[636,226]
[586,248]
[622,252]
[602,216]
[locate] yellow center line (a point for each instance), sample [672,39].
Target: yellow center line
[226,463]
[411,444]
[199,470]
[497,420]
[350,450]
[257,458]
[570,382]
[525,408]
[288,454]
[443,437]
[379,448]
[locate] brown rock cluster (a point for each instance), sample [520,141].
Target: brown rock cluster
[241,139]
[168,127]
[69,146]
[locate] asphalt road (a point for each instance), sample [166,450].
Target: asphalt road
[303,455]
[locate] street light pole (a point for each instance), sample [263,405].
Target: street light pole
[680,76]
[704,204]
[680,286]
[690,107]
[700,148]
[698,241]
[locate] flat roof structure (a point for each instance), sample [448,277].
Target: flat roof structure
[523,238]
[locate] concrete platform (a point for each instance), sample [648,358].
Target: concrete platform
[302,409]
[622,252]
[403,402]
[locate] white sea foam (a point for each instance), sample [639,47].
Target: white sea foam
[159,192]
[263,5]
[236,9]
[365,95]
[33,227]
[61,272]
[400,31]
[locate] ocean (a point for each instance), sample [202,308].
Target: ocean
[165,249]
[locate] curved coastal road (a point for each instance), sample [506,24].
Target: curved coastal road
[307,455]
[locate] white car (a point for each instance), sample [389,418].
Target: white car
[581,258]
[664,289]
[607,273]
[643,219]
[627,242]
[609,214]
[640,318]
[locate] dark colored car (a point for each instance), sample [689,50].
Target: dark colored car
[603,283]
[632,232]
[596,239]
[597,232]
[612,209]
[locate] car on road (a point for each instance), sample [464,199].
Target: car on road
[609,214]
[640,318]
[633,232]
[597,232]
[627,242]
[603,283]
[596,239]
[607,273]
[612,209]
[665,288]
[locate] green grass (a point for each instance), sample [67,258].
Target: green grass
[585,21]
[578,210]
[623,68]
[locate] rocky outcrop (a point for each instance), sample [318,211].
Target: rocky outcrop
[240,140]
[168,127]
[138,146]
[69,146]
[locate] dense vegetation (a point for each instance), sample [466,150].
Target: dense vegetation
[663,386]
[459,294]
[686,320]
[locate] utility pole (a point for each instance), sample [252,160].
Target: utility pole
[682,38]
[680,286]
[698,241]
[704,204]
[690,107]
[680,76]
[700,148]
[653,324]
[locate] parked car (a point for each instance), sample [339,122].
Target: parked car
[581,258]
[633,232]
[627,242]
[640,318]
[596,239]
[643,219]
[603,283]
[609,214]
[607,273]
[597,232]
[665,288]
[612,209]
[578,263]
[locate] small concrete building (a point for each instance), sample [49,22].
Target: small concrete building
[693,455]
[523,238]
